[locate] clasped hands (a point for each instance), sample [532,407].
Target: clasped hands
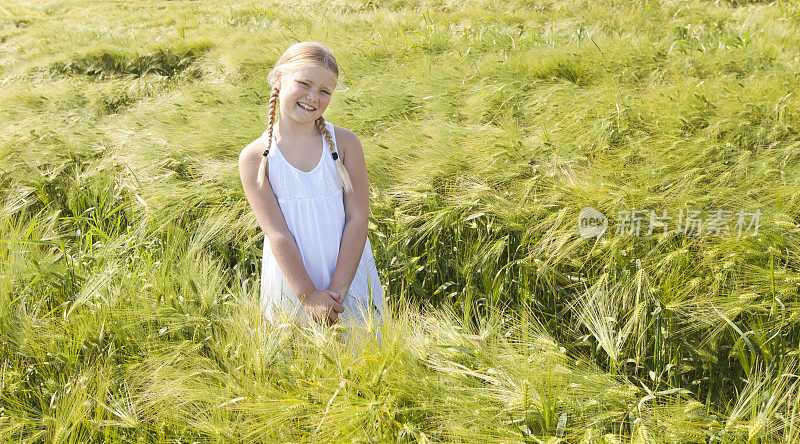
[324,306]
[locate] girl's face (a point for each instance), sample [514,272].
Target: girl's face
[305,93]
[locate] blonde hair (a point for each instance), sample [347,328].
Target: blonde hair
[295,57]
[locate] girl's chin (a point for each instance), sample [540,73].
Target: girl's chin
[306,118]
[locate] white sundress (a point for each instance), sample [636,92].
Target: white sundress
[313,207]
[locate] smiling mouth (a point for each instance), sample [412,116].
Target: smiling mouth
[306,107]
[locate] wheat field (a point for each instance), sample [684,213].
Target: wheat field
[130,259]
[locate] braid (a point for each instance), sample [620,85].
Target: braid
[344,177]
[262,169]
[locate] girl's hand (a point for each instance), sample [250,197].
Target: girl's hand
[323,306]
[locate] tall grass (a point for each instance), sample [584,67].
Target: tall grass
[130,259]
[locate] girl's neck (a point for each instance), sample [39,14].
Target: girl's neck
[294,130]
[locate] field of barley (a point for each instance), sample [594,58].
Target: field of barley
[130,258]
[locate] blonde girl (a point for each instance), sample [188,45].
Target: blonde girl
[306,181]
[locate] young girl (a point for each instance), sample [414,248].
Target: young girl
[306,180]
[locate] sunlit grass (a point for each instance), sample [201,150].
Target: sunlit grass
[130,259]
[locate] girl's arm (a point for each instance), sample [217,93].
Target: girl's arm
[270,219]
[356,208]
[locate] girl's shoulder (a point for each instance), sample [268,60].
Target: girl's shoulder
[346,141]
[255,147]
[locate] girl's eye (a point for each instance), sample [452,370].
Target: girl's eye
[302,83]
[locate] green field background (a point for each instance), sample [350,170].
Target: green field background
[130,258]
